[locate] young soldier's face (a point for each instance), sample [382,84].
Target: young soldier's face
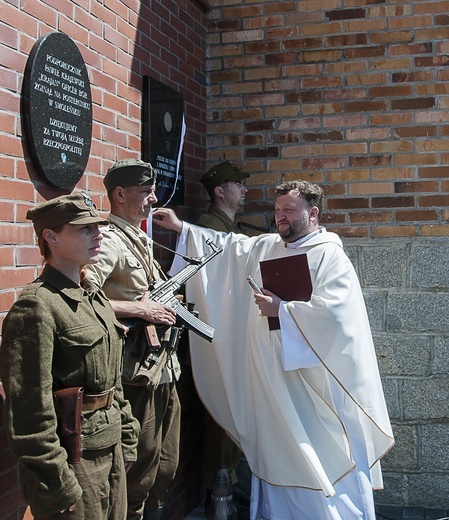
[234,194]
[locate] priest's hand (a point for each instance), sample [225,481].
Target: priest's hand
[167,219]
[268,303]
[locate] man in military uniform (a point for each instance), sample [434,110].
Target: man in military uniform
[125,271]
[225,184]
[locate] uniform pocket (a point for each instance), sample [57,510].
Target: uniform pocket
[82,336]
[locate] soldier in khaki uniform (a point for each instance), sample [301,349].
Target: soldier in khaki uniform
[225,184]
[58,336]
[125,272]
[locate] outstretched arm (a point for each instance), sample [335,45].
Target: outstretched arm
[167,219]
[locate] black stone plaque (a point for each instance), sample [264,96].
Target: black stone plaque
[57,110]
[163,139]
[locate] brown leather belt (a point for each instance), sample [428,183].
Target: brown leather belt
[93,402]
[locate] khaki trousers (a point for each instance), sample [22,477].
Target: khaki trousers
[101,474]
[159,415]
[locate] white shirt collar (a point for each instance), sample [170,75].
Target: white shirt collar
[300,241]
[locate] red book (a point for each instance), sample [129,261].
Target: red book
[288,278]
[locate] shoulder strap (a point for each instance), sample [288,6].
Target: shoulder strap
[134,250]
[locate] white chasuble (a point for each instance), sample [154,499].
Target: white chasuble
[300,401]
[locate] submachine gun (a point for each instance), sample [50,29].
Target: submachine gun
[164,291]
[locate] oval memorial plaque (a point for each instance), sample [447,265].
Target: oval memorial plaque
[57,110]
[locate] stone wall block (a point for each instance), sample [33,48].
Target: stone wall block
[440,359]
[392,392]
[404,454]
[395,489]
[429,490]
[434,447]
[375,307]
[418,312]
[429,266]
[384,266]
[403,355]
[426,399]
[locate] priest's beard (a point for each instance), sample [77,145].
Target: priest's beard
[297,229]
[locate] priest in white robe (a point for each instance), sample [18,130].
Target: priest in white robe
[305,402]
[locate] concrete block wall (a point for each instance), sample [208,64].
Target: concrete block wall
[406,287]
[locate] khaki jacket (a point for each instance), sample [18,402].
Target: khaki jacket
[121,274]
[58,335]
[218,220]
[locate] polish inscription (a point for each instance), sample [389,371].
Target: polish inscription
[57,110]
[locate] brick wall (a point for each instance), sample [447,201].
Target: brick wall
[352,94]
[120,43]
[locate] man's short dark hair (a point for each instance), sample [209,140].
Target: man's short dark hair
[311,193]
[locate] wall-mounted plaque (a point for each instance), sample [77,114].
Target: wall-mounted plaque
[163,139]
[57,110]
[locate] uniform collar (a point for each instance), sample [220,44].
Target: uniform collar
[128,228]
[61,283]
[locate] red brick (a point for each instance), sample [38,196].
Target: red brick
[358,217]
[280,7]
[392,202]
[389,231]
[416,215]
[346,14]
[79,33]
[433,200]
[342,40]
[7,298]
[28,256]
[416,131]
[41,11]
[9,36]
[413,104]
[364,52]
[416,187]
[391,91]
[18,19]
[433,172]
[412,76]
[366,106]
[347,203]
[16,277]
[411,48]
[10,101]
[350,232]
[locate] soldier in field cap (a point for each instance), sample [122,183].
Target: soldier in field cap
[61,337]
[225,184]
[125,271]
[129,172]
[77,208]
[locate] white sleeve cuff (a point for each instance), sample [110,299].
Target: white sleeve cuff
[296,352]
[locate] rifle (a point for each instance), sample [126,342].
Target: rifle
[163,291]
